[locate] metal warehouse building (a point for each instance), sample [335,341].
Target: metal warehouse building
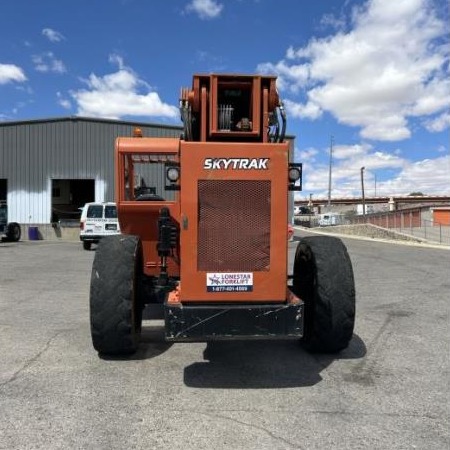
[49,168]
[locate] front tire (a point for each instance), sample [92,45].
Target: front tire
[115,311]
[323,279]
[86,245]
[13,232]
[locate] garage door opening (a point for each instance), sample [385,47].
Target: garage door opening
[68,196]
[3,189]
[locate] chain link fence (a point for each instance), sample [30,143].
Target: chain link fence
[408,222]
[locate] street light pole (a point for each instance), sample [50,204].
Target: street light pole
[329,173]
[362,191]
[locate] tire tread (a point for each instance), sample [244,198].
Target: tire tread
[115,316]
[330,299]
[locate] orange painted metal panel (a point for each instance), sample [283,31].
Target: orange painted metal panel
[141,218]
[268,285]
[441,216]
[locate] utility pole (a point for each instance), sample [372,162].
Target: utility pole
[329,173]
[362,191]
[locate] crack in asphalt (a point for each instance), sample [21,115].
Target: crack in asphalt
[211,413]
[32,360]
[250,425]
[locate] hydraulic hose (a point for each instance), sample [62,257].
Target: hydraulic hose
[283,118]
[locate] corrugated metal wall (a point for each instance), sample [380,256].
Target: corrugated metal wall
[35,152]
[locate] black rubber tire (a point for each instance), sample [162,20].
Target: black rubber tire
[13,232]
[323,279]
[115,310]
[86,245]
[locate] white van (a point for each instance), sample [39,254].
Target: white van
[98,220]
[329,219]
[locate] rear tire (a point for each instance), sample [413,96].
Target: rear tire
[323,279]
[86,245]
[115,310]
[13,232]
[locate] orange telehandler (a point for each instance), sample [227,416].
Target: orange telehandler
[204,233]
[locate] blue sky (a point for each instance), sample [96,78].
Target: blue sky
[374,74]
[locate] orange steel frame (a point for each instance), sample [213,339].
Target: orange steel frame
[141,218]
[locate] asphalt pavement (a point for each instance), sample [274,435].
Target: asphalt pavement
[388,390]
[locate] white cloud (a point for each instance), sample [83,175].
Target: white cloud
[346,169]
[330,20]
[433,97]
[62,101]
[439,123]
[309,110]
[387,172]
[388,128]
[205,9]
[11,73]
[350,151]
[429,176]
[47,62]
[116,59]
[392,65]
[290,77]
[52,35]
[307,155]
[120,94]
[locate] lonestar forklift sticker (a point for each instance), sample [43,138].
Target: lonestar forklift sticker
[235,163]
[229,282]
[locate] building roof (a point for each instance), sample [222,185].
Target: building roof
[88,119]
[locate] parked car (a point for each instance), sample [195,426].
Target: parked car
[98,220]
